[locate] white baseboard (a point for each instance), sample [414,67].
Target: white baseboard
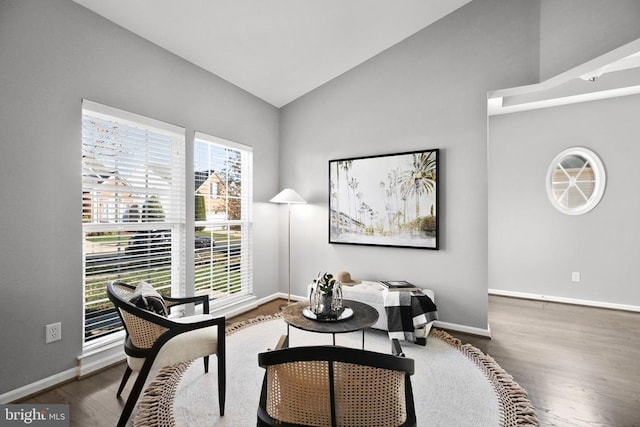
[463,328]
[271,298]
[100,358]
[38,386]
[236,307]
[280,295]
[565,300]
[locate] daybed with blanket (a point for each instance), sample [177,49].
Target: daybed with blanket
[407,315]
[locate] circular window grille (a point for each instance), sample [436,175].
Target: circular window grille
[575,181]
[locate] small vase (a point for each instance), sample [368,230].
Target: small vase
[325,305]
[324,310]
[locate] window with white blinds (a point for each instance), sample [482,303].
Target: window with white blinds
[223,218]
[133,207]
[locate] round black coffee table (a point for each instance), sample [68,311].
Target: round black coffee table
[363,317]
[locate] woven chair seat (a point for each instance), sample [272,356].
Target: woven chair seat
[187,346]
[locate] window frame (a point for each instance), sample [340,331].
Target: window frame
[245,222]
[593,164]
[170,162]
[182,222]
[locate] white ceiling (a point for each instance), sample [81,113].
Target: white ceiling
[277,50]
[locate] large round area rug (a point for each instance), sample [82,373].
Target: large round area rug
[454,384]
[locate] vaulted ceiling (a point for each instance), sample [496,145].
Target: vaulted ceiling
[277,50]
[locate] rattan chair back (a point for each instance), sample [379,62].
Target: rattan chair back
[142,332]
[335,386]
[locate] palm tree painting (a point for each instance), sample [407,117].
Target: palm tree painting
[385,200]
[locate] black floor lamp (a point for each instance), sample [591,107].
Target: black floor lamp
[288,196]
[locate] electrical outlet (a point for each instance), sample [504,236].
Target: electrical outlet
[575,276]
[53,332]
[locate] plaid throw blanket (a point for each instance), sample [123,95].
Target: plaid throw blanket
[407,313]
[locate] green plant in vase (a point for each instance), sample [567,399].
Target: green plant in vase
[326,295]
[325,282]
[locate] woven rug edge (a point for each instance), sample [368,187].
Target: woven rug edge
[515,407]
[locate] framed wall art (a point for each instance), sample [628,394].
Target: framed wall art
[385,200]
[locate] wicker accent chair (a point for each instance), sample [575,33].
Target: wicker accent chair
[154,341]
[335,386]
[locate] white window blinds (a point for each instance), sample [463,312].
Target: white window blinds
[133,208]
[223,218]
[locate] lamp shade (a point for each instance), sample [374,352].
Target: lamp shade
[288,195]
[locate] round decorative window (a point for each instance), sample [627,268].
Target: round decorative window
[575,181]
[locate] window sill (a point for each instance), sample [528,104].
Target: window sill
[101,353]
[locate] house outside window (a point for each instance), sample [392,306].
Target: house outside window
[223,228]
[133,208]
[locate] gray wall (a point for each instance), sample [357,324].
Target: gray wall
[534,248]
[428,91]
[576,31]
[53,54]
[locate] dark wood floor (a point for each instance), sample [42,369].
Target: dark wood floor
[580,365]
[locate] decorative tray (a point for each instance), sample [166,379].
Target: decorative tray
[344,314]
